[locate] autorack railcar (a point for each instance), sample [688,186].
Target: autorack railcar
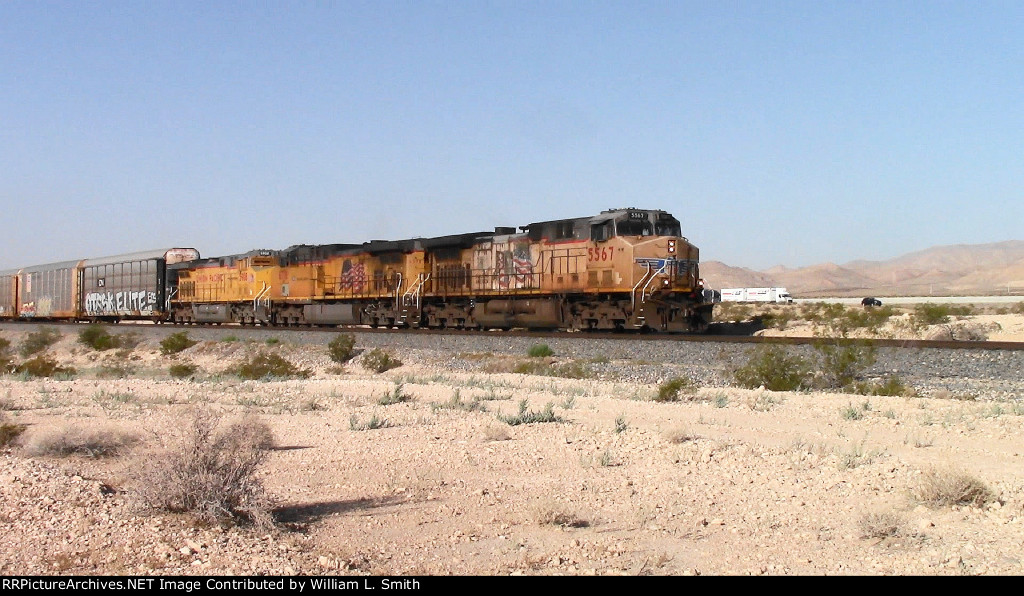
[129,286]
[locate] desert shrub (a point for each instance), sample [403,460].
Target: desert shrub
[621,424]
[41,366]
[551,514]
[777,319]
[574,369]
[930,314]
[342,347]
[733,312]
[525,416]
[9,431]
[96,337]
[128,341]
[937,314]
[182,371]
[37,341]
[496,433]
[540,351]
[852,412]
[373,423]
[266,366]
[210,472]
[395,396]
[229,339]
[1018,308]
[76,440]
[841,364]
[838,320]
[773,368]
[531,367]
[882,525]
[952,487]
[6,365]
[456,403]
[679,434]
[114,371]
[870,318]
[378,360]
[673,389]
[893,386]
[176,342]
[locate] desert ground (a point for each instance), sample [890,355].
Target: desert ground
[413,471]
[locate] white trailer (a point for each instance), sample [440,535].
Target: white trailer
[776,295]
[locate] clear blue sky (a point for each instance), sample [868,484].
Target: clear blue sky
[778,132]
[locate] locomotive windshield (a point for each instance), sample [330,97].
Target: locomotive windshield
[633,227]
[638,223]
[667,227]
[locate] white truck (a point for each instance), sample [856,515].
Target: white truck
[776,295]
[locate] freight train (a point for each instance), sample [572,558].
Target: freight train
[623,269]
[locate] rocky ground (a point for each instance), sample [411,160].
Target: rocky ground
[727,481]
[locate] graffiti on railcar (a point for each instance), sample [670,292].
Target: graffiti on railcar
[99,303]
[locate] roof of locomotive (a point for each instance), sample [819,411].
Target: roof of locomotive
[603,216]
[223,259]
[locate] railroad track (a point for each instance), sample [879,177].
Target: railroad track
[723,334]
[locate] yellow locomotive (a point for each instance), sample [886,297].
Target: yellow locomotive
[624,269]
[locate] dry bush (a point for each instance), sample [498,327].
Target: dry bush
[77,440]
[496,433]
[37,341]
[5,356]
[210,472]
[945,487]
[679,434]
[9,431]
[549,513]
[42,366]
[882,525]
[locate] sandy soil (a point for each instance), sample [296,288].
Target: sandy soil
[731,481]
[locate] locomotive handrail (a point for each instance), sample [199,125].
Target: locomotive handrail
[263,292]
[414,290]
[643,278]
[170,297]
[643,294]
[398,289]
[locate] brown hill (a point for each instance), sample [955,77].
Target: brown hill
[981,269]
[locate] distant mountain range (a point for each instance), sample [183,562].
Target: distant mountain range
[960,269]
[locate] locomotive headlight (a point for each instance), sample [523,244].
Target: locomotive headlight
[671,246]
